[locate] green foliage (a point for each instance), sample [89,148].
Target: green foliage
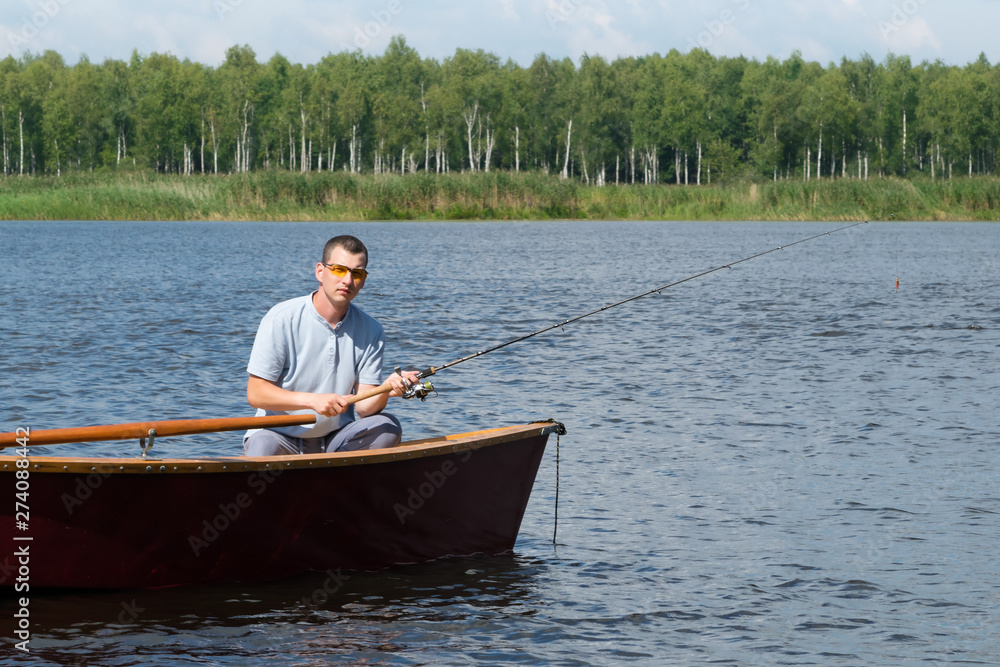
[678,117]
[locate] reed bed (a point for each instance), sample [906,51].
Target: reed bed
[340,196]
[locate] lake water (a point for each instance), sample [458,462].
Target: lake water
[785,463]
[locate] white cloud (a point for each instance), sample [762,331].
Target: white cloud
[855,7]
[588,26]
[508,10]
[156,34]
[306,30]
[913,35]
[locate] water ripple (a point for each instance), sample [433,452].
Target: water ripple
[789,463]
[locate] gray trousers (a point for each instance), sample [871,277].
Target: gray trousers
[375,432]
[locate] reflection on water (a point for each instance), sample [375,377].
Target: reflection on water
[338,612]
[789,462]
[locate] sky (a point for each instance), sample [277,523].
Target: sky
[304,31]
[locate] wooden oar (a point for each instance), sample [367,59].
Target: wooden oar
[164,428]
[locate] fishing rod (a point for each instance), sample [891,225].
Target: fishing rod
[422,389]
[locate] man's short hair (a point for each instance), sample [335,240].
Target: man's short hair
[351,244]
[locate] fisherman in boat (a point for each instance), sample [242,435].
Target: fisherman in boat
[312,353]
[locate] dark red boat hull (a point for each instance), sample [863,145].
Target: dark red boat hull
[178,525]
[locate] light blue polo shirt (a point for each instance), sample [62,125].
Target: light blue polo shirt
[299,351]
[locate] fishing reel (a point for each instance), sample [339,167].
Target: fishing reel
[421,389]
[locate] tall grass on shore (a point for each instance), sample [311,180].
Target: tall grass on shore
[339,196]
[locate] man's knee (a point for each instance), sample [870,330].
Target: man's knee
[389,433]
[375,432]
[268,443]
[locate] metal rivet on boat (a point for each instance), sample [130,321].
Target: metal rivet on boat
[149,468]
[224,467]
[199,467]
[175,467]
[64,467]
[163,468]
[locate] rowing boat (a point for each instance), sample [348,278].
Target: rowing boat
[145,523]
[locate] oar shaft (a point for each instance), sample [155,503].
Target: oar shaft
[58,436]
[163,428]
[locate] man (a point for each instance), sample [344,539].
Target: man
[311,353]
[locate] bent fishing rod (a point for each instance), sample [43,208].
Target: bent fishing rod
[422,389]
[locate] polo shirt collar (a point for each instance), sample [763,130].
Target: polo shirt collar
[322,320]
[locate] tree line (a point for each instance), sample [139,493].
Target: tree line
[676,118]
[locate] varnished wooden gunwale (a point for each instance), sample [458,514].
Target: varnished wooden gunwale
[415,449]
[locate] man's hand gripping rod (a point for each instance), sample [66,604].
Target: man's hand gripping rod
[417,389]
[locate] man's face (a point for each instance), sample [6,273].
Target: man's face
[340,290]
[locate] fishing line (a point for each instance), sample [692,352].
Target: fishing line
[555,517]
[896,235]
[427,372]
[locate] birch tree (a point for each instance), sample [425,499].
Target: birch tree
[513,119]
[896,120]
[349,74]
[543,128]
[10,112]
[58,125]
[239,79]
[396,106]
[602,119]
[647,114]
[36,83]
[117,106]
[473,77]
[444,107]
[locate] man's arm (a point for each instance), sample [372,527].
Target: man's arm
[376,404]
[370,406]
[265,395]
